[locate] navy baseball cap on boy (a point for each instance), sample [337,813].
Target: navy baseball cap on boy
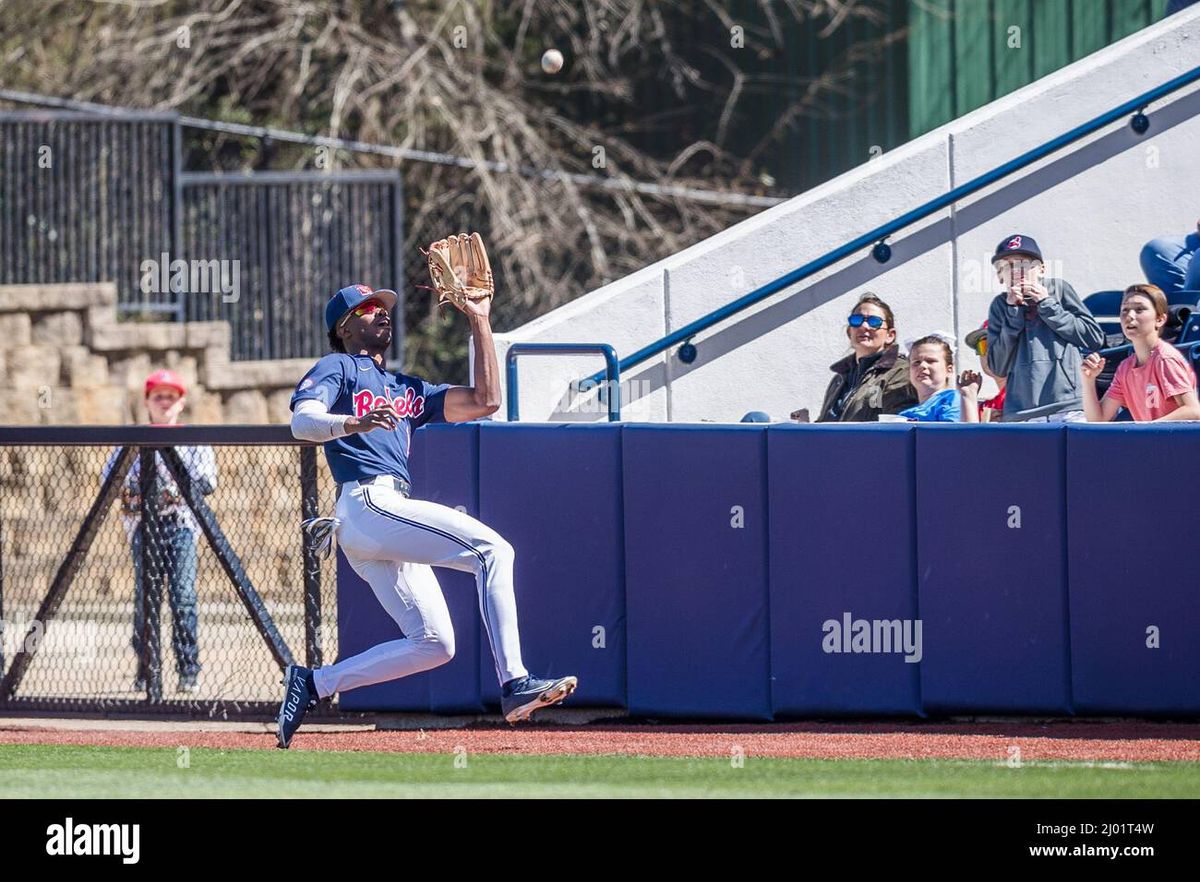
[354,295]
[1017,244]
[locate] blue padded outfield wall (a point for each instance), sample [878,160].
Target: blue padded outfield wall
[855,557]
[991,569]
[767,572]
[696,571]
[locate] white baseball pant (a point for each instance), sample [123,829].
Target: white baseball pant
[393,543]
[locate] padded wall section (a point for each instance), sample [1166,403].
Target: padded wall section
[842,564]
[554,492]
[991,563]
[444,468]
[696,571]
[1135,607]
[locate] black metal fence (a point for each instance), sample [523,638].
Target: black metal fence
[159,579]
[87,198]
[297,237]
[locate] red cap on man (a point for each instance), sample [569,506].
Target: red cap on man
[166,378]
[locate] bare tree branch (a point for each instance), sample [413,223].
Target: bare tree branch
[463,77]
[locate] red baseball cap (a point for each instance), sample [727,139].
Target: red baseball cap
[165,378]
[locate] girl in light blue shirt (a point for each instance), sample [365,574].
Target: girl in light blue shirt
[931,372]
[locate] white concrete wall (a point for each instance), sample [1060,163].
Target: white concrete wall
[1091,207]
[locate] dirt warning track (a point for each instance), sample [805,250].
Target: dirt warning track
[1122,741]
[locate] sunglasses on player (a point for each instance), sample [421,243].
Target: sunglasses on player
[874,322]
[368,308]
[980,347]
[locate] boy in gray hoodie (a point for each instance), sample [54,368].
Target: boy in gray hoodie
[1036,330]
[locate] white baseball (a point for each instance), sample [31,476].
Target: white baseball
[552,61]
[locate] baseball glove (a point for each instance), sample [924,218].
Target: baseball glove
[460,270]
[319,533]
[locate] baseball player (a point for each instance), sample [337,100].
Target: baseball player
[366,416]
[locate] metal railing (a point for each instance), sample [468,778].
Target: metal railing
[89,197]
[877,237]
[610,392]
[300,236]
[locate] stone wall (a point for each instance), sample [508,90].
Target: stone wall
[66,360]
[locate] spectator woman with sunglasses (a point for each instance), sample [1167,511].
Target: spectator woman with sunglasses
[873,379]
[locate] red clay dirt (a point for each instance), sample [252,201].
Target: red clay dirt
[1117,741]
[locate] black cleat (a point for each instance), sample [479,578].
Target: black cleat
[530,694]
[298,700]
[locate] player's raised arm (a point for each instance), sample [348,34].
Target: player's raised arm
[462,276]
[465,403]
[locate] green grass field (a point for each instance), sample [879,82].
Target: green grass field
[75,772]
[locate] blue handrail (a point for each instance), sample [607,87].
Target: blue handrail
[1139,122]
[611,372]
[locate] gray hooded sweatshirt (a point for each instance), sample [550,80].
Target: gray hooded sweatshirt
[1038,348]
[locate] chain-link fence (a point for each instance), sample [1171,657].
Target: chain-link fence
[159,579]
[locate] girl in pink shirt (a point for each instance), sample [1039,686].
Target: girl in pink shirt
[1156,382]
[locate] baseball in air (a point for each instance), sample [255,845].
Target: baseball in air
[552,61]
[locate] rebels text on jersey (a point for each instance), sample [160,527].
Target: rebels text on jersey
[356,385]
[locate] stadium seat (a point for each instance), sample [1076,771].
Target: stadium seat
[1190,332]
[1105,307]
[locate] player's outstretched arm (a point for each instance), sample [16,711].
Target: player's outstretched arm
[465,403]
[312,421]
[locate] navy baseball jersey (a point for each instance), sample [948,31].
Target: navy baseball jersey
[356,385]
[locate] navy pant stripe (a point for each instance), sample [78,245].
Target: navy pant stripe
[456,539]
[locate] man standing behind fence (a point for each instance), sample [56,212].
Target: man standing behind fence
[174,546]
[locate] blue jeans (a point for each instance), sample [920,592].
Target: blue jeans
[177,562]
[1167,262]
